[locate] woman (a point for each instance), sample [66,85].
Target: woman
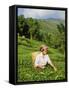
[42,59]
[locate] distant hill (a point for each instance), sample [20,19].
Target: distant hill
[50,25]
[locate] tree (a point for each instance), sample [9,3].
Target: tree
[61,29]
[21,20]
[32,23]
[26,30]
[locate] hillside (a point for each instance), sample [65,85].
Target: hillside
[26,71]
[50,25]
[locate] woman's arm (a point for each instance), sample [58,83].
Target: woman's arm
[40,66]
[51,64]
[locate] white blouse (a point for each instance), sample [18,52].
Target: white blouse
[42,59]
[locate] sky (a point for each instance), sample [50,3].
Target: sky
[41,13]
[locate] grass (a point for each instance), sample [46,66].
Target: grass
[26,71]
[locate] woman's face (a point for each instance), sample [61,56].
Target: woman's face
[45,51]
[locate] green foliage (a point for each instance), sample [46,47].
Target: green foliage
[51,32]
[26,71]
[61,29]
[31,34]
[21,20]
[33,26]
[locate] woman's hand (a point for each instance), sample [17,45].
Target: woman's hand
[55,69]
[40,66]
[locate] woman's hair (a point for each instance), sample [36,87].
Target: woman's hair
[43,47]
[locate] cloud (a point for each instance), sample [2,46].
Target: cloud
[41,13]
